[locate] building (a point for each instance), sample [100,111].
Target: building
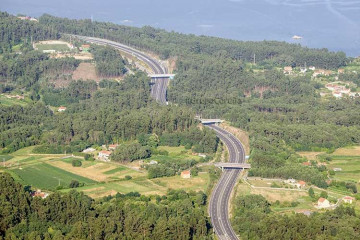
[323,203]
[312,68]
[112,146]
[337,94]
[341,70]
[296,37]
[88,150]
[85,47]
[323,72]
[39,193]
[104,155]
[348,199]
[290,181]
[153,162]
[61,109]
[337,169]
[302,184]
[185,174]
[288,70]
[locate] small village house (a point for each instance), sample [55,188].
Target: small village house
[341,70]
[348,199]
[322,72]
[61,109]
[185,174]
[112,146]
[39,193]
[323,203]
[312,68]
[104,155]
[302,184]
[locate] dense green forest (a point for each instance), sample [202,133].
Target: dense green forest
[253,219]
[215,78]
[177,215]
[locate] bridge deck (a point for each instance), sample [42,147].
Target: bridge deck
[233,165]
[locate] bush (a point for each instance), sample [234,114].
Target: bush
[127,177]
[74,184]
[76,163]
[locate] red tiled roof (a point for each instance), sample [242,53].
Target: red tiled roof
[106,152]
[321,199]
[302,182]
[185,172]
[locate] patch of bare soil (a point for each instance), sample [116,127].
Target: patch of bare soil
[86,71]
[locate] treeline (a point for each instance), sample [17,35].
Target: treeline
[177,215]
[203,141]
[254,219]
[19,126]
[109,62]
[162,42]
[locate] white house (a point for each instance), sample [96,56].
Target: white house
[61,109]
[348,199]
[104,155]
[185,174]
[323,203]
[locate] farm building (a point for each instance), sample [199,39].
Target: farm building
[185,174]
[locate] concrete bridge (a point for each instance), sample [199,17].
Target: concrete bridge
[166,75]
[230,165]
[210,121]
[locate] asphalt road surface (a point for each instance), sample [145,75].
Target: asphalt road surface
[159,85]
[219,201]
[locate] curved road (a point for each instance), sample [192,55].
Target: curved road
[159,85]
[219,201]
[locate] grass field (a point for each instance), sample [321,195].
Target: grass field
[46,176]
[147,186]
[56,47]
[350,166]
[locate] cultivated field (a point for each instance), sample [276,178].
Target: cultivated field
[11,101]
[59,46]
[46,176]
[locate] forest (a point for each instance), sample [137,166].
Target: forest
[177,215]
[254,219]
[282,114]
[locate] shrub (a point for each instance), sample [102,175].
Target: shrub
[74,184]
[76,163]
[127,177]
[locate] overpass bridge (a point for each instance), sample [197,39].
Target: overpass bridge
[165,75]
[231,165]
[211,121]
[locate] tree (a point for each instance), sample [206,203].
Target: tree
[324,194]
[311,192]
[76,163]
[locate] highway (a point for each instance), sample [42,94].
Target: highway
[219,200]
[159,85]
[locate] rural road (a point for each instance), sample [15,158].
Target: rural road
[159,85]
[219,201]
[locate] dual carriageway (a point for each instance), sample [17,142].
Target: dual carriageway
[220,197]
